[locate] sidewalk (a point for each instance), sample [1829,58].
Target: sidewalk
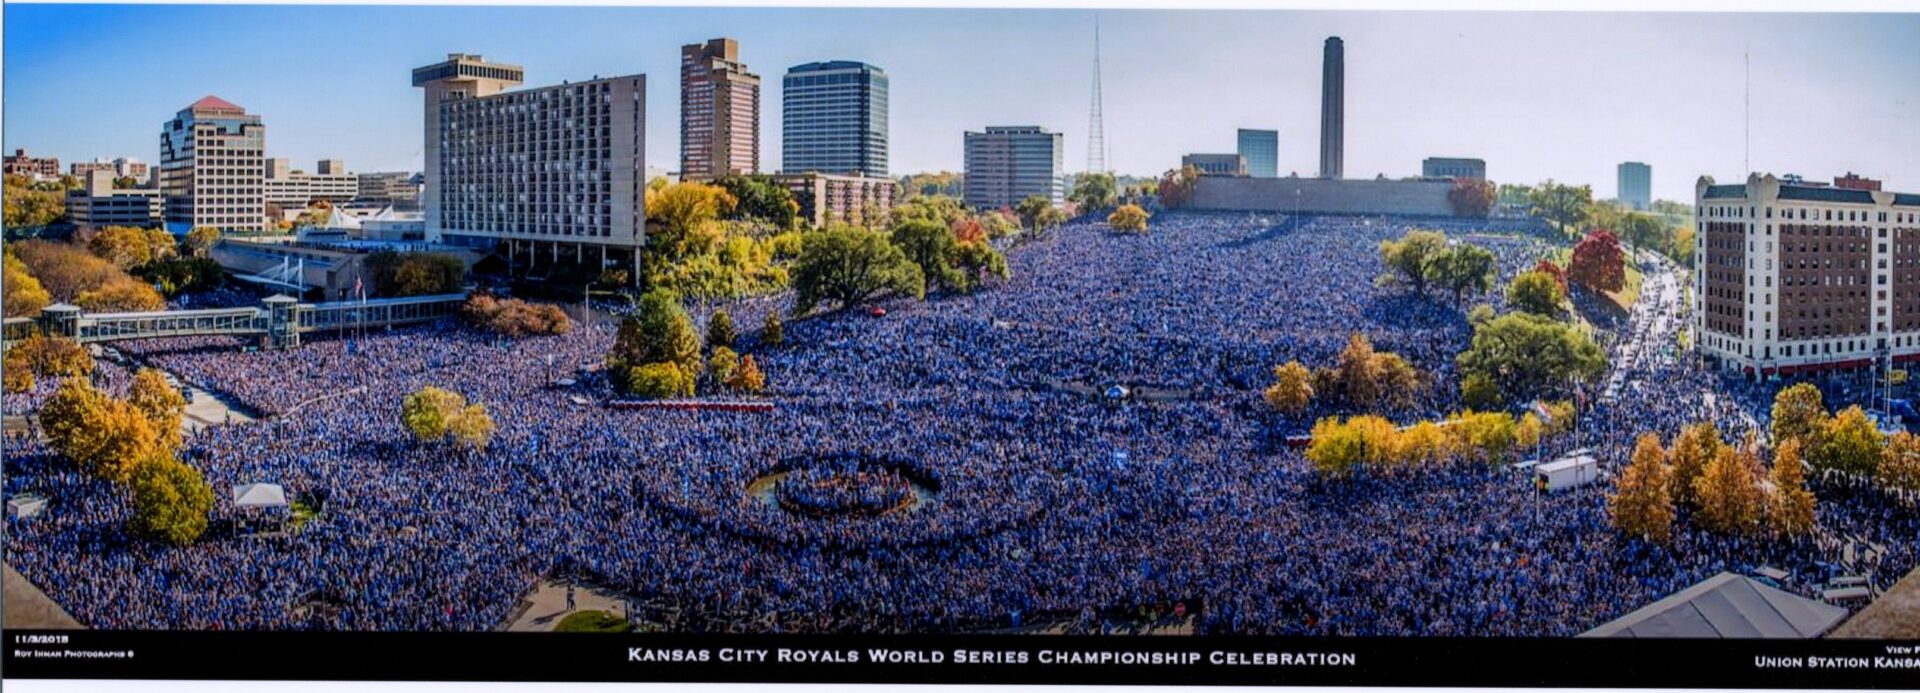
[546,605]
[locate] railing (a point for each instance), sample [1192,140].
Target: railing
[281,320]
[107,327]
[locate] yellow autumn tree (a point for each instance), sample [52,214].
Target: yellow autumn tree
[1640,505]
[1790,509]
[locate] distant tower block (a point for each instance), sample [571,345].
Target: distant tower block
[1333,95]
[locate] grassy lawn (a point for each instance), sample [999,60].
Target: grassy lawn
[592,622]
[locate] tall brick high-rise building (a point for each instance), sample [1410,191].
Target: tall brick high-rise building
[1797,278]
[719,111]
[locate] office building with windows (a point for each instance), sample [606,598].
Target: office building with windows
[19,164]
[288,188]
[1005,165]
[719,112]
[543,175]
[99,203]
[1261,150]
[1636,185]
[122,167]
[398,188]
[1452,167]
[1798,279]
[1216,164]
[833,119]
[825,198]
[212,156]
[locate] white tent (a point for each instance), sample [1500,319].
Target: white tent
[259,496]
[1725,606]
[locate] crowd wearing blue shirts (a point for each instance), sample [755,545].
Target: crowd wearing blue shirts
[1034,499]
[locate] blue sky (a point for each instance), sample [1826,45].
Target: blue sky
[1538,95]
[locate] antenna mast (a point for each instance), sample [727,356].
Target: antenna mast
[1096,129]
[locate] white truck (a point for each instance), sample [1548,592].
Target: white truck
[1572,471]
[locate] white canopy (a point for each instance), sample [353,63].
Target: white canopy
[248,496]
[1725,606]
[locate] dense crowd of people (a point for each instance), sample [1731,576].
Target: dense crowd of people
[1037,502]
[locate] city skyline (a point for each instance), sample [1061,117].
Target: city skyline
[1563,96]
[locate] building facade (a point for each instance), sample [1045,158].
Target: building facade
[825,198]
[398,188]
[1453,167]
[833,119]
[122,167]
[1261,150]
[1797,279]
[1005,165]
[1636,185]
[98,203]
[545,172]
[289,188]
[1216,164]
[212,156]
[1855,182]
[19,164]
[1333,108]
[719,112]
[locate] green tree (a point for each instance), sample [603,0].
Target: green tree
[1799,413]
[1407,259]
[1535,292]
[1093,191]
[1564,205]
[722,364]
[1530,356]
[940,209]
[429,412]
[661,331]
[659,380]
[931,247]
[976,261]
[849,266]
[171,501]
[1848,443]
[1336,448]
[1463,268]
[720,330]
[1033,212]
[1478,391]
[762,198]
[1641,505]
[773,333]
